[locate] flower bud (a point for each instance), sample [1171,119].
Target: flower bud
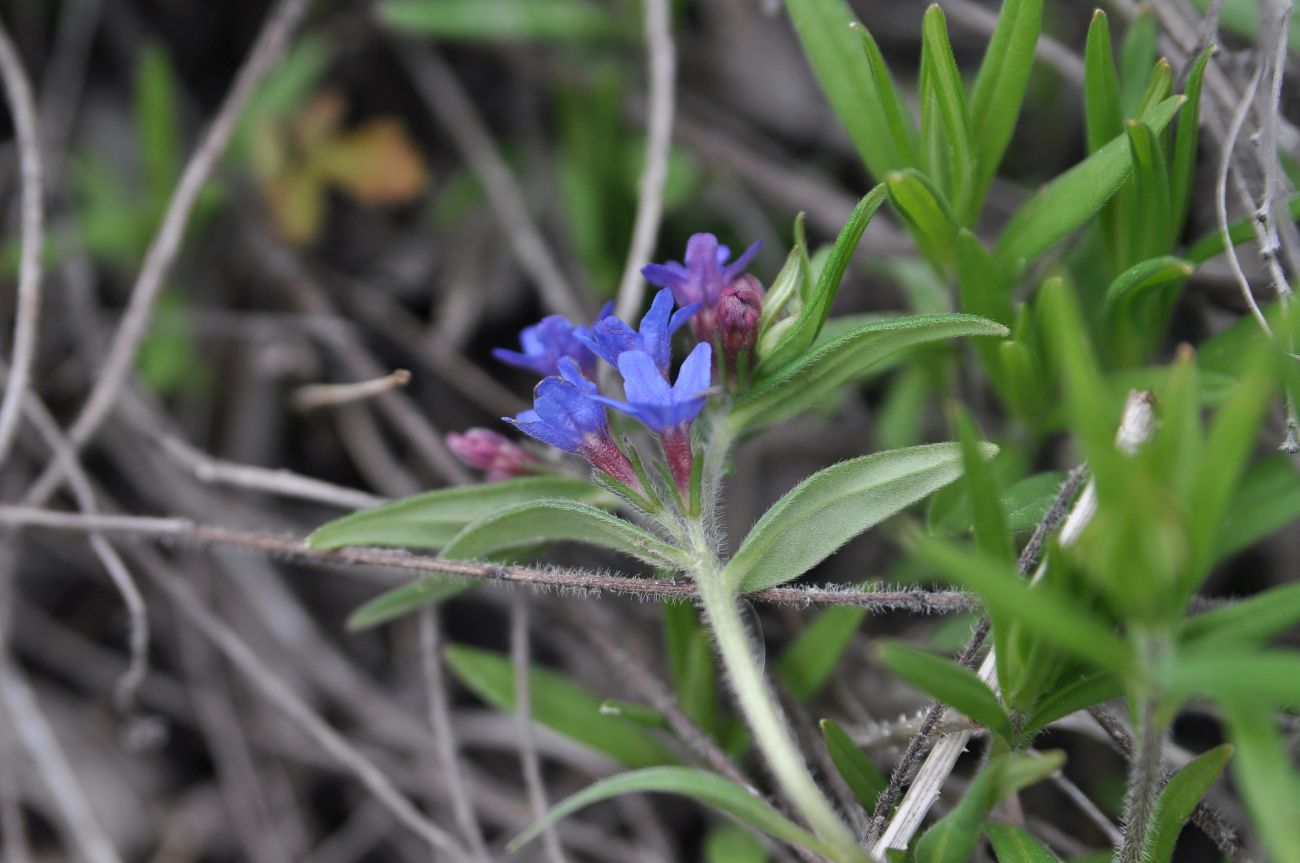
[486,450]
[739,309]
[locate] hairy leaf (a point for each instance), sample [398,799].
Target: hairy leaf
[559,704]
[953,684]
[430,520]
[554,520]
[834,505]
[821,371]
[1179,797]
[699,785]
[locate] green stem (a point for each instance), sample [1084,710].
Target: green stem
[756,703]
[1148,756]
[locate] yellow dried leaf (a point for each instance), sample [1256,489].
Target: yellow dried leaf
[376,163]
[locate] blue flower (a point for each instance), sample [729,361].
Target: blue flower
[545,344]
[705,272]
[609,338]
[651,400]
[566,415]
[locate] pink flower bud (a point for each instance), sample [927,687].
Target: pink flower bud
[738,312]
[486,450]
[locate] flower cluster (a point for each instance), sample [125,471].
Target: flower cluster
[718,300]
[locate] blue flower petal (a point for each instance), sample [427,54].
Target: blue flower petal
[696,373]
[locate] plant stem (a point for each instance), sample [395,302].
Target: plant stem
[759,708]
[1147,765]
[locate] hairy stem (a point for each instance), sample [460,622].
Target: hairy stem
[759,707]
[1146,768]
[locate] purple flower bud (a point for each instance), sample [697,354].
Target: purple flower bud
[738,312]
[567,416]
[486,450]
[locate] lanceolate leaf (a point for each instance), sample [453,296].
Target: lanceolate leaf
[430,520]
[953,684]
[814,313]
[403,600]
[1150,219]
[1266,500]
[901,127]
[1013,845]
[821,371]
[1000,86]
[955,837]
[1040,609]
[707,788]
[1100,86]
[1075,196]
[1249,621]
[1079,694]
[1262,770]
[554,520]
[557,20]
[1183,168]
[863,777]
[1179,798]
[835,53]
[946,89]
[1162,272]
[811,658]
[559,704]
[926,215]
[834,505]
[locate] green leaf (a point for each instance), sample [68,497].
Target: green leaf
[863,777]
[814,313]
[541,20]
[1240,231]
[400,601]
[1000,86]
[807,663]
[902,129]
[1137,55]
[1262,770]
[157,129]
[1231,439]
[1150,218]
[926,214]
[836,504]
[432,519]
[1266,500]
[1013,845]
[984,286]
[703,787]
[1182,171]
[1025,502]
[834,51]
[946,89]
[1228,673]
[1179,797]
[1100,86]
[953,684]
[553,520]
[1040,609]
[1074,197]
[1084,691]
[694,674]
[956,836]
[983,491]
[557,703]
[1138,280]
[1248,621]
[821,371]
[732,844]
